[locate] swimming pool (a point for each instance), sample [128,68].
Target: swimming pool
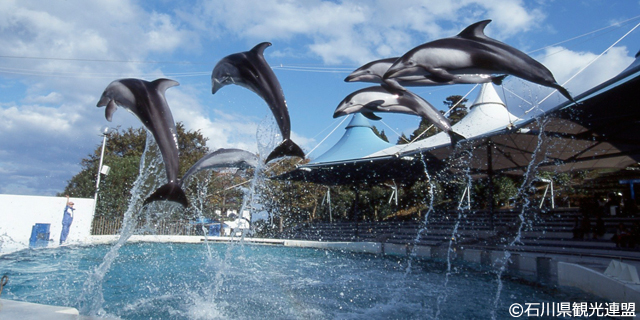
[217,280]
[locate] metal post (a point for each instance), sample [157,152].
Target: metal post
[329,203]
[553,201]
[104,142]
[544,195]
[356,211]
[491,192]
[465,193]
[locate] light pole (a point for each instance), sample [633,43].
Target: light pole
[105,130]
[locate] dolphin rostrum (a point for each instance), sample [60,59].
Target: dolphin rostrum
[147,102]
[249,69]
[379,99]
[223,158]
[374,72]
[471,52]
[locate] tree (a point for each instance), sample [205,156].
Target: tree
[123,151]
[403,139]
[380,134]
[287,202]
[459,111]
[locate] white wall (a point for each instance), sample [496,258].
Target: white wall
[19,213]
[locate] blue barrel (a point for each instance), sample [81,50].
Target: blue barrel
[214,229]
[39,235]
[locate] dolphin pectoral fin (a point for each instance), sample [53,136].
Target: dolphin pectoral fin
[111,108]
[455,137]
[373,104]
[170,192]
[393,86]
[286,148]
[440,75]
[497,80]
[370,115]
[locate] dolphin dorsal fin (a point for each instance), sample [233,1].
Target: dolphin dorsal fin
[163,84]
[259,48]
[475,30]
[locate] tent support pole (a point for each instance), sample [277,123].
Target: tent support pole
[356,211]
[491,191]
[329,203]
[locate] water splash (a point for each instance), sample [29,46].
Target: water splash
[91,300]
[465,159]
[423,228]
[198,201]
[537,157]
[206,300]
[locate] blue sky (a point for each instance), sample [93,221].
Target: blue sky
[56,58]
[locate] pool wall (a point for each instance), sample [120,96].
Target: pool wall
[20,213]
[581,272]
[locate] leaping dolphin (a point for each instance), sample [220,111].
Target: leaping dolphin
[249,69]
[471,52]
[223,158]
[147,102]
[379,99]
[374,72]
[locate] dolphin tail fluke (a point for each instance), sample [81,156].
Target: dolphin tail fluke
[170,192]
[455,138]
[286,148]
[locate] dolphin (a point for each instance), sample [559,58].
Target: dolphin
[249,69]
[471,52]
[379,99]
[223,158]
[147,102]
[374,72]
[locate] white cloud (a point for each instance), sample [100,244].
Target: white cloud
[51,98]
[357,30]
[48,118]
[565,64]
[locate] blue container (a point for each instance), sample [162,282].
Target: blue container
[39,235]
[214,230]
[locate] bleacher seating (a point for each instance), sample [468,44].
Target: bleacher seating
[542,231]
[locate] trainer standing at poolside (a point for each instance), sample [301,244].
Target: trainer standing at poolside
[67,219]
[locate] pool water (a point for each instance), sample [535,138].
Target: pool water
[232,281]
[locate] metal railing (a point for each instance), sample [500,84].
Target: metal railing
[112,226]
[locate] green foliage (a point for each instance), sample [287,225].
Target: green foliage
[290,201]
[504,189]
[459,111]
[123,151]
[380,134]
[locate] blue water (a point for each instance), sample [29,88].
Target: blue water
[185,281]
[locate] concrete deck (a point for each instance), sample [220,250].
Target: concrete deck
[10,309]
